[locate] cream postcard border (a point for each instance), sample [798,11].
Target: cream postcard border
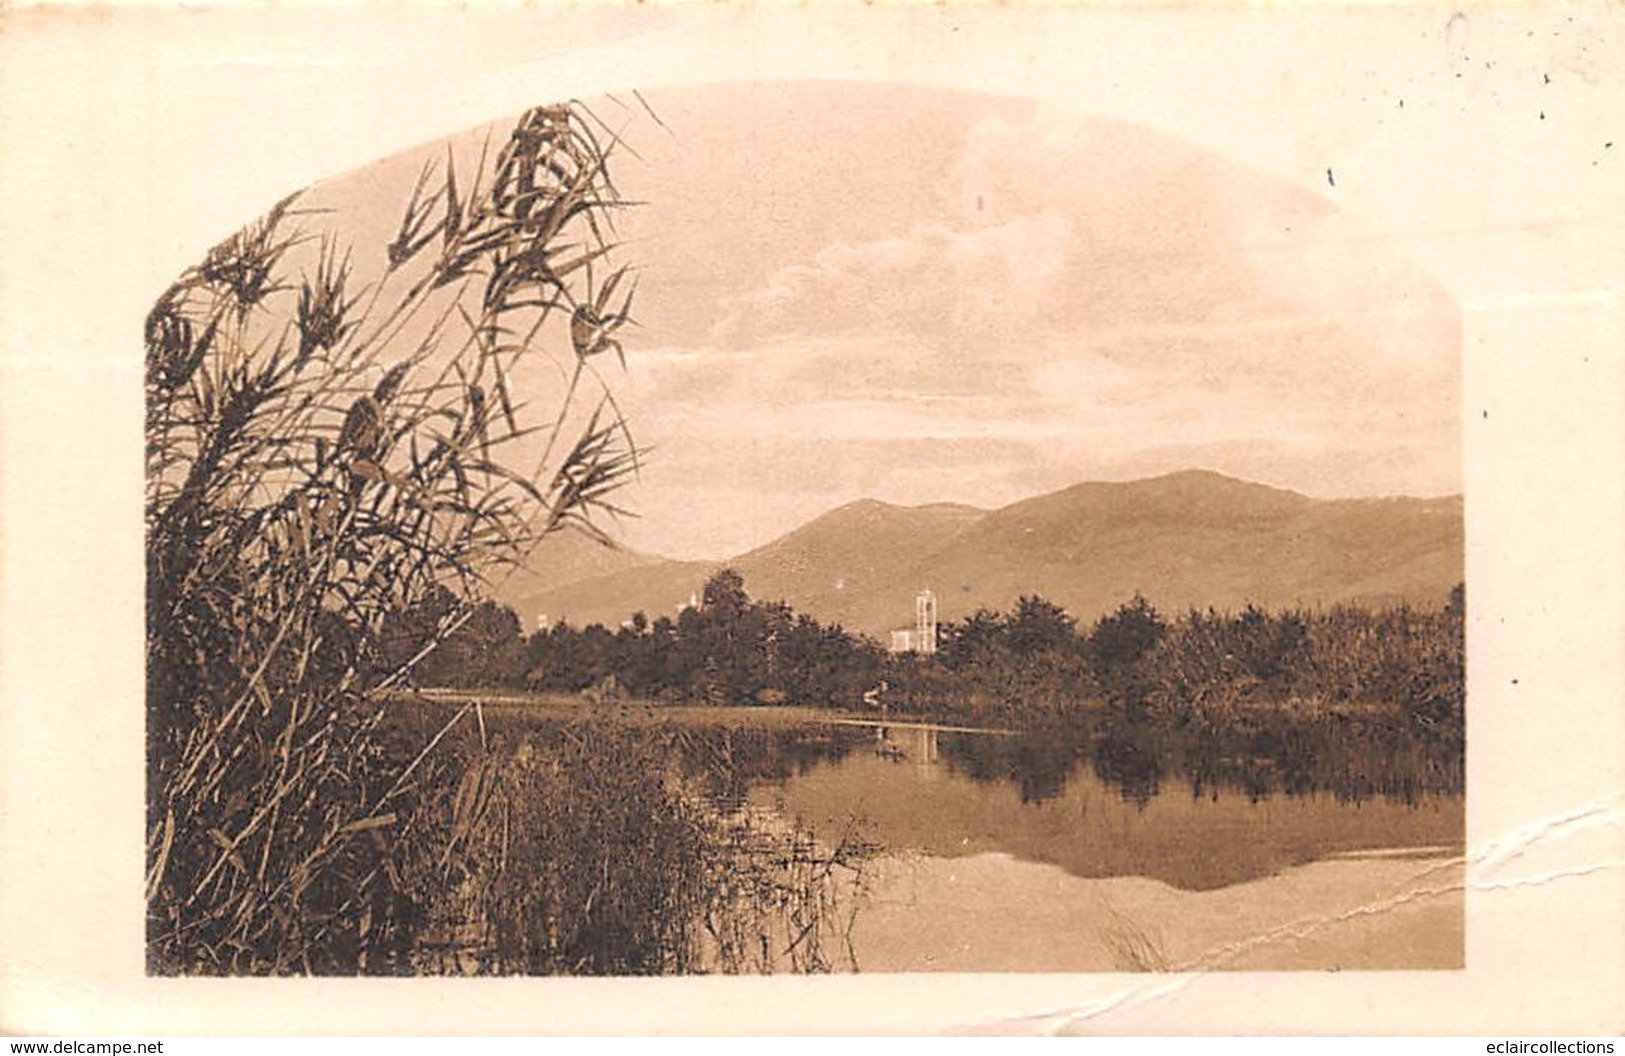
[133,137]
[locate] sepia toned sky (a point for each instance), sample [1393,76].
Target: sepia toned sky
[919,295]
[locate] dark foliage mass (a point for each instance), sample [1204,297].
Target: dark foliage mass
[728,650]
[1028,666]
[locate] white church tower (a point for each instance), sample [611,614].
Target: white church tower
[925,622]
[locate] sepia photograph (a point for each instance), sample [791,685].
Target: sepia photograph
[580,547]
[872,519]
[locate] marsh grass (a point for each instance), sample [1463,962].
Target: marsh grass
[323,452]
[595,847]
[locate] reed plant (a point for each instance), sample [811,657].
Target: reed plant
[598,847]
[332,436]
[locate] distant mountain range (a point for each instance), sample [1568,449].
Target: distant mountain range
[1187,539]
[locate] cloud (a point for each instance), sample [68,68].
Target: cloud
[963,290]
[1070,299]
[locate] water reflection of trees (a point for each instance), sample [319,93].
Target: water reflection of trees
[1039,766]
[1041,763]
[1352,758]
[728,760]
[1355,758]
[1129,761]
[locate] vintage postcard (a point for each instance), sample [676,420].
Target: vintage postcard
[814,519]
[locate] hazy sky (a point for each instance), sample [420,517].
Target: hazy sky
[918,296]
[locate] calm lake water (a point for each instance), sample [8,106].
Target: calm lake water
[1097,807]
[1275,842]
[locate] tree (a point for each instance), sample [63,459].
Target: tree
[724,595]
[1039,626]
[404,632]
[972,641]
[1267,647]
[487,650]
[1122,638]
[1119,644]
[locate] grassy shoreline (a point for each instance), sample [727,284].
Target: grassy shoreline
[642,708]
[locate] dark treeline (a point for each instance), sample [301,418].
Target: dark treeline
[728,650]
[1032,665]
[1201,668]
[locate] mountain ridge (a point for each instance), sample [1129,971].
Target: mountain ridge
[1192,538]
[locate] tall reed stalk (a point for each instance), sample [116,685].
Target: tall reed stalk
[592,848]
[321,454]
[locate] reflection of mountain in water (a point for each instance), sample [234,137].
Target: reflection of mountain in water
[1196,811]
[1116,804]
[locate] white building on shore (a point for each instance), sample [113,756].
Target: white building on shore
[922,637]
